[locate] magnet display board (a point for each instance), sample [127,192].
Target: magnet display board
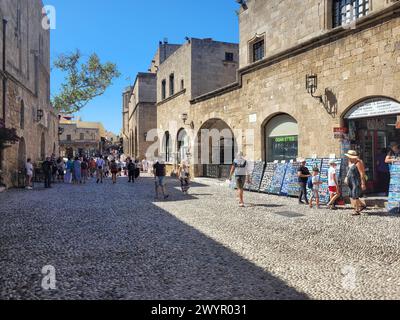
[268,175]
[290,185]
[393,205]
[277,179]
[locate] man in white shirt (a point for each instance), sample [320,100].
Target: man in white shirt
[334,188]
[100,169]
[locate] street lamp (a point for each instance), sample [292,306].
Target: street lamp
[39,115]
[185,117]
[312,86]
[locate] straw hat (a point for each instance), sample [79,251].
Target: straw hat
[352,154]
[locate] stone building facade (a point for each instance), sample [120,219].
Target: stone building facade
[81,138]
[358,68]
[139,105]
[25,89]
[312,79]
[199,66]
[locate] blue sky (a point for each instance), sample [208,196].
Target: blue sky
[127,33]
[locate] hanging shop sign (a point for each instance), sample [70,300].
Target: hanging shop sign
[340,132]
[374,107]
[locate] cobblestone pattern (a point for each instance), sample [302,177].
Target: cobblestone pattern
[117,242]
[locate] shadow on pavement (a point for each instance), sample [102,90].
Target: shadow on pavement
[119,247]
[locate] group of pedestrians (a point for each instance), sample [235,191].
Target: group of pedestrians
[356,180]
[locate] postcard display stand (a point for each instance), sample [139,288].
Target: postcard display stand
[277,179]
[290,186]
[256,177]
[393,205]
[268,176]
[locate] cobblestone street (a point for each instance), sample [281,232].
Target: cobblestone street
[117,242]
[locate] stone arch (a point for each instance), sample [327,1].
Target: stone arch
[214,148]
[361,100]
[182,145]
[284,129]
[166,147]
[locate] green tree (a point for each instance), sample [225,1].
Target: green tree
[83,81]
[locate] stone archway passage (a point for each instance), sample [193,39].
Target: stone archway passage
[183,145]
[281,138]
[215,150]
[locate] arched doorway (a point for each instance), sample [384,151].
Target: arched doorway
[42,147]
[183,145]
[215,149]
[166,148]
[281,134]
[373,125]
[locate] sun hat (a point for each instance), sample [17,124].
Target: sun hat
[352,154]
[332,161]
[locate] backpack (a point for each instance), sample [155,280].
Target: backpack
[310,184]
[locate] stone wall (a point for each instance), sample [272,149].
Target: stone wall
[27,77]
[352,68]
[287,23]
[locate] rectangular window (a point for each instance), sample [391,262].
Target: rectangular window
[347,11]
[258,51]
[82,136]
[182,84]
[68,137]
[228,56]
[163,89]
[171,85]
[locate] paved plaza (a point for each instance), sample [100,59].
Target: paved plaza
[117,242]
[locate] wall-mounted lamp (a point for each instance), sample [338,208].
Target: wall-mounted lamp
[184,118]
[39,115]
[312,86]
[60,131]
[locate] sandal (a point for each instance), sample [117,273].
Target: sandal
[357,213]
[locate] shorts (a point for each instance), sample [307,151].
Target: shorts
[240,182]
[315,193]
[333,189]
[160,181]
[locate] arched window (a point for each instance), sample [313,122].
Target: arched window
[172,84]
[22,115]
[281,138]
[163,89]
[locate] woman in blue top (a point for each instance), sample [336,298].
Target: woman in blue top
[69,168]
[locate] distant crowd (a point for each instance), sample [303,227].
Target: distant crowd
[79,170]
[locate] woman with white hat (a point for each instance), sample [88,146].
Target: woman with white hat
[356,181]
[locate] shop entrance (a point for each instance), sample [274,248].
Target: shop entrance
[373,127]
